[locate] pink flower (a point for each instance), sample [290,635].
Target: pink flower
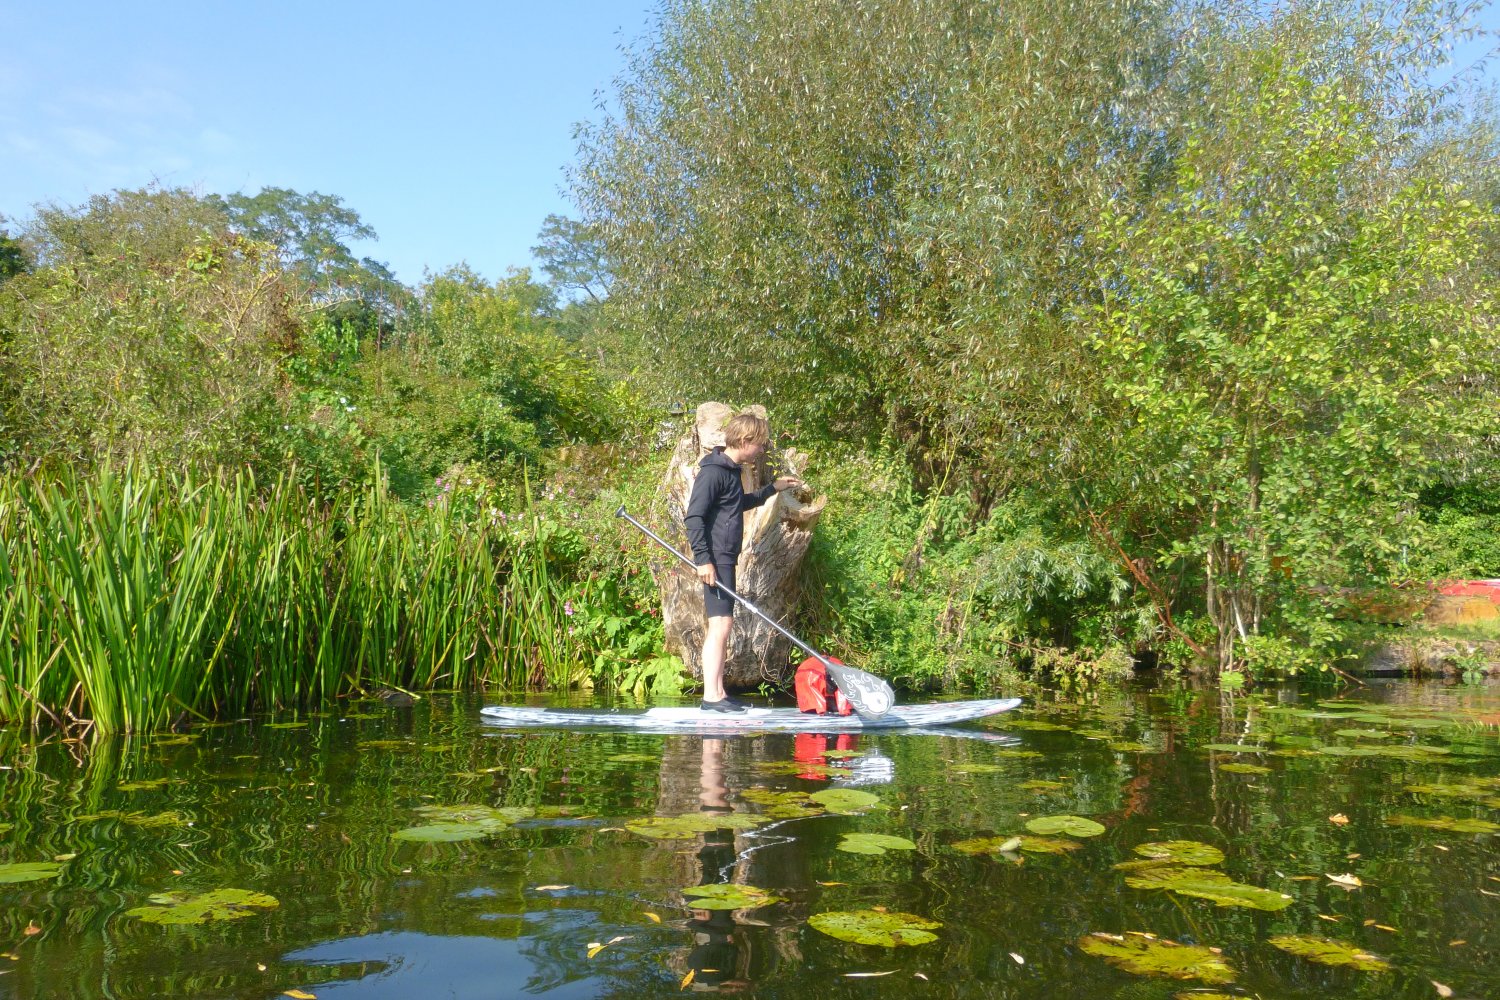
[568,608]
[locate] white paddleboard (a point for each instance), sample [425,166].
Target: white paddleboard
[780,720]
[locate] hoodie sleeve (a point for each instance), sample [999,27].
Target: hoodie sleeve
[759,497]
[699,512]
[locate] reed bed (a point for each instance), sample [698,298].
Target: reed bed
[129,597]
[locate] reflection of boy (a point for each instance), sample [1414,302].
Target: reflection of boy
[715,955]
[715,529]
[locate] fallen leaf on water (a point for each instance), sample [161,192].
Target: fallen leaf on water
[1351,857]
[1347,880]
[686,980]
[920,975]
[833,883]
[31,929]
[1488,893]
[1386,927]
[260,966]
[63,857]
[10,955]
[1442,991]
[1338,818]
[1331,920]
[653,917]
[1368,923]
[549,888]
[300,995]
[1440,847]
[866,975]
[1013,844]
[1018,958]
[594,948]
[1302,878]
[1457,942]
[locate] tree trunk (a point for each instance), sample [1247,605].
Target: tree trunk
[776,538]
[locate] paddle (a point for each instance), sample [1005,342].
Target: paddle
[871,697]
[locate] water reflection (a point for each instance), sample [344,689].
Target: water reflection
[307,815]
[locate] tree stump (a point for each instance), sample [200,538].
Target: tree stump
[777,534]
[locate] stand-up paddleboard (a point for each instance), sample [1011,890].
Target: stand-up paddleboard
[777,720]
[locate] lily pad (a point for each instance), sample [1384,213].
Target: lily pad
[782,804]
[1363,734]
[1181,852]
[1337,751]
[632,758]
[1446,823]
[842,754]
[1040,785]
[1073,826]
[874,843]
[1451,791]
[1031,845]
[1148,955]
[1326,951]
[1237,768]
[690,825]
[28,871]
[1205,883]
[286,725]
[887,930]
[499,817]
[1233,747]
[1133,747]
[803,769]
[727,896]
[146,784]
[220,904]
[447,833]
[1036,725]
[978,768]
[844,800]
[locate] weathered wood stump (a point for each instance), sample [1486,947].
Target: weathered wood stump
[776,538]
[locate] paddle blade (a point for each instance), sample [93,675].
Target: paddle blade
[871,696]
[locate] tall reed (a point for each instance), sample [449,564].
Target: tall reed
[129,596]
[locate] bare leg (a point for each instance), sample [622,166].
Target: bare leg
[715,642]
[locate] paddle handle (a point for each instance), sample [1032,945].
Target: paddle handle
[736,597]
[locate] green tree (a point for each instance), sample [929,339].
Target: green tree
[13,257]
[1288,338]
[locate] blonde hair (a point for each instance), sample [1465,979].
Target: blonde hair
[745,429]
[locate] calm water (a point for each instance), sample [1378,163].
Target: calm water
[305,811]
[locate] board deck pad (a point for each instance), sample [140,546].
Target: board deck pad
[689,719]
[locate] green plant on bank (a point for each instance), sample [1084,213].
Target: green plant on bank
[128,597]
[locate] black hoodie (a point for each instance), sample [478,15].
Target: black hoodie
[715,528]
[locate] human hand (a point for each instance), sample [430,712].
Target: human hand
[787,483]
[707,575]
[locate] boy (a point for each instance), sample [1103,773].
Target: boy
[715,529]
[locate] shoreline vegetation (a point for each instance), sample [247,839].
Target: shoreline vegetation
[1116,334]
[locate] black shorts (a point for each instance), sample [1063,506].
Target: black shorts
[716,603]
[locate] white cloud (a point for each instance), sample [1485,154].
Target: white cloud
[87,141]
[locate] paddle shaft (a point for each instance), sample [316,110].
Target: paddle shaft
[733,596]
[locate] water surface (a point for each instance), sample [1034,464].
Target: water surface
[565,892]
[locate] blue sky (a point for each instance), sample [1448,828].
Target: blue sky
[445,125]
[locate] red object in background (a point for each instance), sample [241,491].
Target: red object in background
[1472,588]
[811,685]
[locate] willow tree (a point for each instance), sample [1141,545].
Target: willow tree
[869,215]
[1299,335]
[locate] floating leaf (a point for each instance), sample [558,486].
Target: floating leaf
[1451,791]
[445,833]
[285,725]
[1349,751]
[1039,785]
[803,769]
[1073,826]
[1446,823]
[1244,769]
[1035,725]
[28,871]
[220,904]
[1325,951]
[1182,852]
[1234,747]
[632,758]
[727,896]
[1205,883]
[782,804]
[844,800]
[978,768]
[1347,880]
[499,817]
[1147,955]
[1363,734]
[874,843]
[1031,845]
[690,825]
[1126,746]
[888,930]
[146,784]
[842,754]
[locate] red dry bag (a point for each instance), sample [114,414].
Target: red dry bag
[812,688]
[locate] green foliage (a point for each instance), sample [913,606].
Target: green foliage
[151,332]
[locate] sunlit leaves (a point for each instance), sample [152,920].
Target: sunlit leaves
[220,904]
[1326,951]
[876,927]
[1149,955]
[728,896]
